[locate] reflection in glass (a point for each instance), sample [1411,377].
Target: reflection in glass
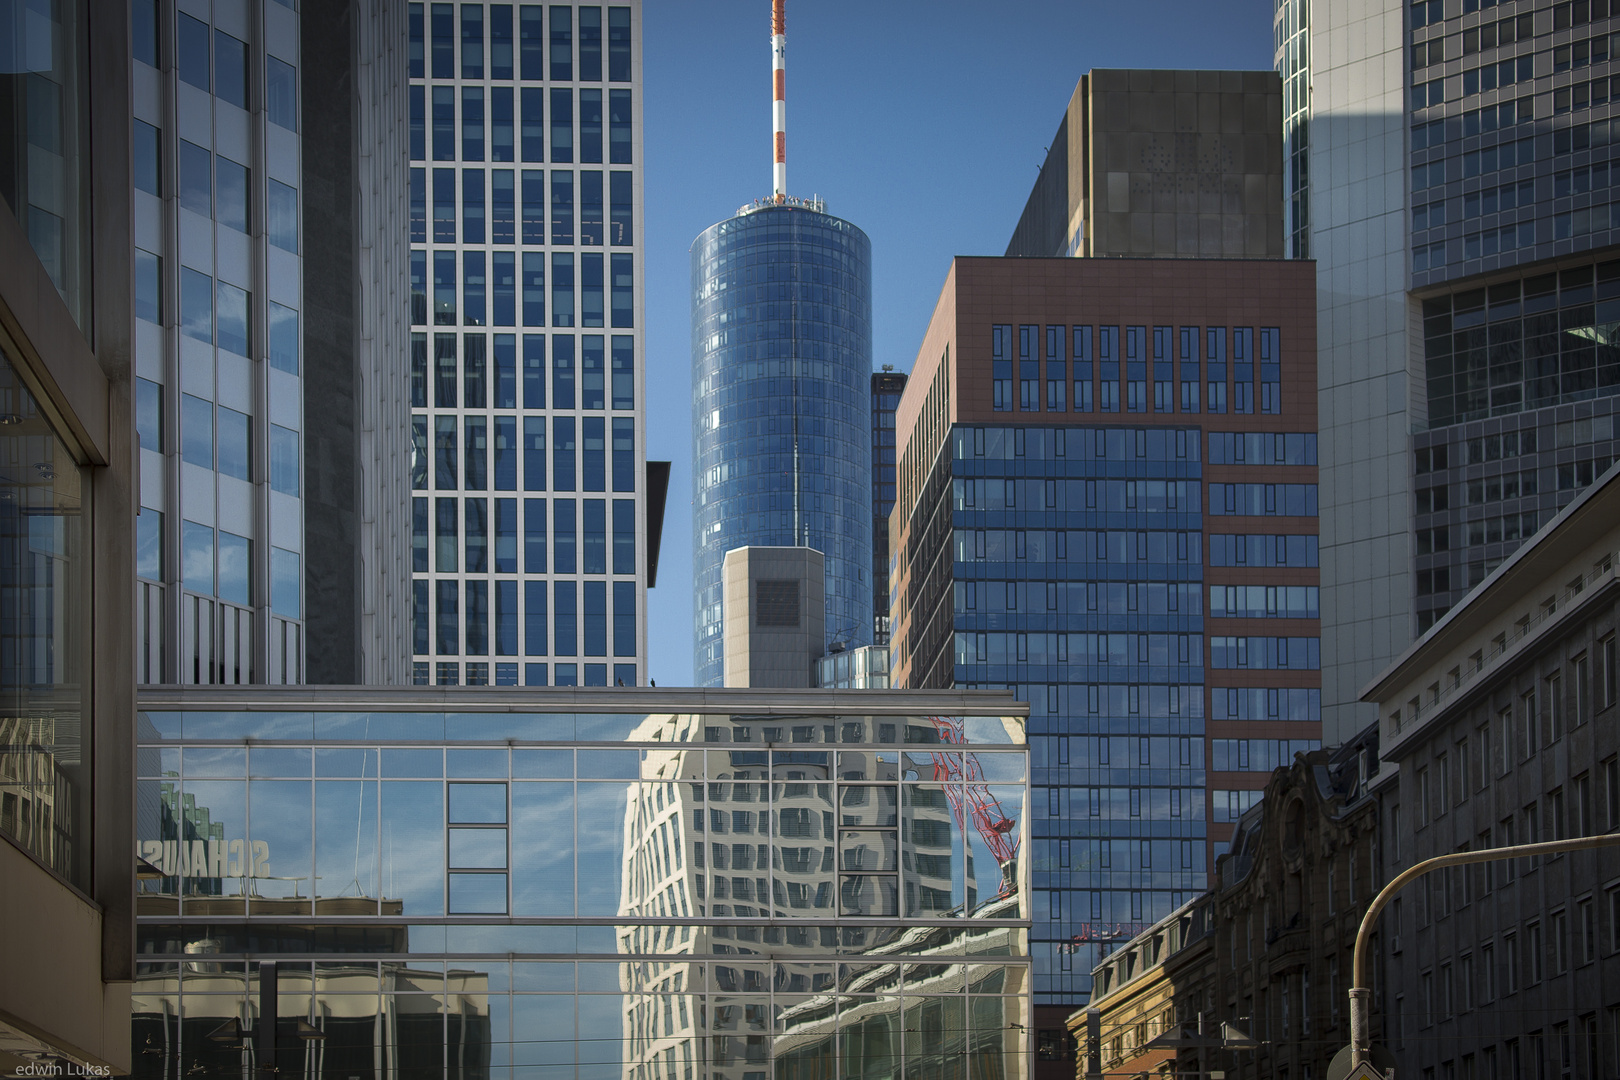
[775,909]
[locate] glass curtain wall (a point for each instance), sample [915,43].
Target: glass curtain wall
[585,895]
[527,425]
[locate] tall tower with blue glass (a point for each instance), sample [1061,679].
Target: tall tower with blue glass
[526,421]
[781,407]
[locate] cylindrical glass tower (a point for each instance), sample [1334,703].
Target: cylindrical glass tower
[781,377]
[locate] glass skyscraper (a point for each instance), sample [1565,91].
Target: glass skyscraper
[526,415]
[781,385]
[1107,501]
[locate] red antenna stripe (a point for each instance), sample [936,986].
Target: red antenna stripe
[781,85]
[778,17]
[781,146]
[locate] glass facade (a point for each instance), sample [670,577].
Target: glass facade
[887,387]
[781,408]
[527,424]
[521,892]
[1292,41]
[218,287]
[1103,568]
[45,728]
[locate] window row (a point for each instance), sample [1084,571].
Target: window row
[1257,755]
[223,70]
[1127,752]
[560,618]
[1266,653]
[1108,443]
[491,294]
[215,562]
[1091,545]
[1032,494]
[216,438]
[217,312]
[522,55]
[1265,703]
[1261,448]
[1262,500]
[492,372]
[519,134]
[483,673]
[1257,549]
[214,186]
[1030,597]
[1174,362]
[575,534]
[1159,650]
[510,192]
[1264,601]
[464,463]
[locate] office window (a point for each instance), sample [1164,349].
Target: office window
[623,290]
[235,568]
[562,46]
[149,287]
[562,206]
[593,536]
[591,386]
[235,443]
[619,127]
[534,371]
[505,453]
[449,622]
[472,204]
[280,93]
[197,431]
[624,376]
[285,596]
[506,537]
[417,137]
[146,159]
[444,288]
[593,456]
[144,31]
[531,129]
[501,146]
[503,207]
[564,537]
[444,123]
[565,627]
[562,288]
[284,460]
[534,535]
[506,623]
[231,194]
[472,123]
[534,453]
[500,41]
[230,69]
[476,545]
[447,536]
[196,178]
[234,329]
[534,289]
[281,216]
[149,415]
[503,288]
[196,304]
[624,536]
[621,225]
[531,41]
[562,125]
[591,288]
[477,453]
[473,288]
[562,453]
[472,41]
[419,537]
[590,127]
[444,367]
[624,454]
[191,54]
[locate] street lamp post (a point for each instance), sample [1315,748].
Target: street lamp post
[1360,993]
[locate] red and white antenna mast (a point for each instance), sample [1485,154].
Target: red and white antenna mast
[779,95]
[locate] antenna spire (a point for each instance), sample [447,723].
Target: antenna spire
[779,94]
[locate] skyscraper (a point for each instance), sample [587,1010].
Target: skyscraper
[781,369]
[887,387]
[529,501]
[1107,501]
[1467,358]
[223,317]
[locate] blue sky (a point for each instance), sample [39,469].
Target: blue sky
[923,123]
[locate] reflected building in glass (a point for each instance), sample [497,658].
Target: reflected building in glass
[269,184]
[529,496]
[628,885]
[781,407]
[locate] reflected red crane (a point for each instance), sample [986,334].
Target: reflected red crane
[975,797]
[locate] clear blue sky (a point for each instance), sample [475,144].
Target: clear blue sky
[922,122]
